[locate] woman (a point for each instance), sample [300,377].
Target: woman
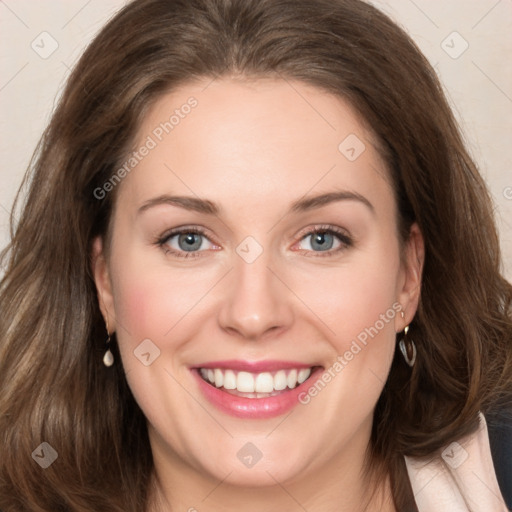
[272,221]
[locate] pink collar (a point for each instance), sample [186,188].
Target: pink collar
[460,479]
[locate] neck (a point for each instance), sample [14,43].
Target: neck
[334,488]
[223,497]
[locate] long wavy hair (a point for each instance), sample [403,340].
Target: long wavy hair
[54,387]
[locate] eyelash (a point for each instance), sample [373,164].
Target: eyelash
[162,242]
[344,239]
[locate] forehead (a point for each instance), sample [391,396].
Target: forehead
[225,138]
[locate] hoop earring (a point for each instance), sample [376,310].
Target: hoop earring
[409,351]
[108,358]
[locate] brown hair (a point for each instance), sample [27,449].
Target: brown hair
[54,386]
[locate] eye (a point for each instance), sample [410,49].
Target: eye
[186,242]
[328,240]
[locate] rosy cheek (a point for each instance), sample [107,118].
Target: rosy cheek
[351,297]
[133,308]
[352,305]
[150,304]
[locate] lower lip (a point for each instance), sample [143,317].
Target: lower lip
[254,408]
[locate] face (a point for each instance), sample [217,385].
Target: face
[255,280]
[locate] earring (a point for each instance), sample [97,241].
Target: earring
[108,358]
[409,351]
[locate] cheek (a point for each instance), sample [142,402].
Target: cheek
[355,300]
[150,303]
[356,306]
[151,311]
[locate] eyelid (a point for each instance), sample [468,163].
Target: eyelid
[321,228]
[343,236]
[162,240]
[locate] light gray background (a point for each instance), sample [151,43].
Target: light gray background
[478,81]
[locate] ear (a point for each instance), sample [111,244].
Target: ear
[103,282]
[410,277]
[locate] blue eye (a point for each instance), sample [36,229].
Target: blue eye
[189,241]
[324,240]
[321,241]
[186,242]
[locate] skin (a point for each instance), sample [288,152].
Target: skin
[254,148]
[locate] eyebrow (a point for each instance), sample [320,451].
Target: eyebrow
[310,203]
[210,208]
[188,203]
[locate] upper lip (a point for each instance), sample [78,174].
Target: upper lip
[254,366]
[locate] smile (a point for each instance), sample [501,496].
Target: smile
[255,385]
[254,390]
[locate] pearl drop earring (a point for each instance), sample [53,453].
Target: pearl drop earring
[108,358]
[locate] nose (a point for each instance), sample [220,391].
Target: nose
[256,303]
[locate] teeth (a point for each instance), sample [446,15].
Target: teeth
[229,379]
[280,381]
[303,375]
[292,379]
[264,383]
[219,377]
[245,382]
[260,383]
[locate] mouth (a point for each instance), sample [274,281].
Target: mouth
[256,385]
[255,390]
